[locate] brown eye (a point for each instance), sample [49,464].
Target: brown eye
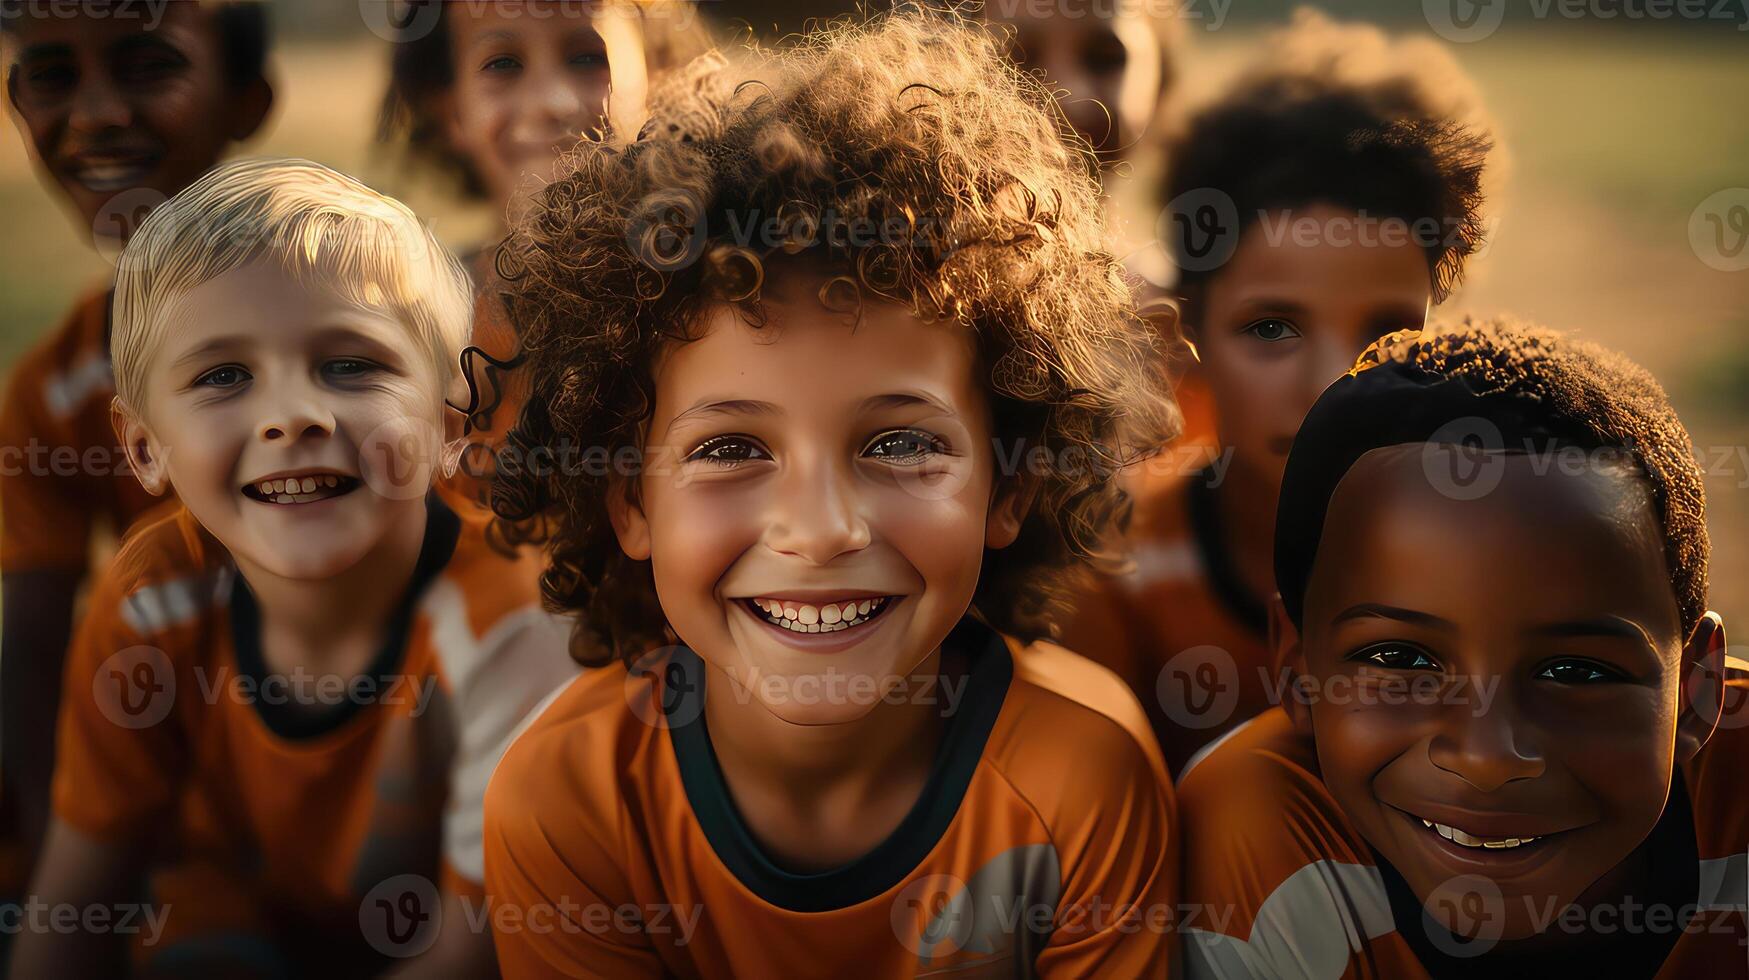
[1577,672]
[904,445]
[1272,330]
[728,451]
[1396,656]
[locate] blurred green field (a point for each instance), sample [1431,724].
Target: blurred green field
[1616,135]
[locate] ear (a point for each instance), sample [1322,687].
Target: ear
[250,108]
[626,513]
[1290,664]
[1701,702]
[1009,505]
[146,456]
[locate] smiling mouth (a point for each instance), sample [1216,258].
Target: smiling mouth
[824,617]
[1463,839]
[106,175]
[305,489]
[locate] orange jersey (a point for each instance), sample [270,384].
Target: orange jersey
[1188,640]
[1288,887]
[278,801]
[1043,841]
[62,470]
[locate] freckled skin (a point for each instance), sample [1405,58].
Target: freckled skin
[1559,641]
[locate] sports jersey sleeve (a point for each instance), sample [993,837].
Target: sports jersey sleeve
[497,679]
[44,524]
[1276,883]
[551,872]
[118,748]
[1120,881]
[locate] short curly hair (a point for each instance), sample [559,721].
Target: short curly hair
[1537,389]
[1339,115]
[912,123]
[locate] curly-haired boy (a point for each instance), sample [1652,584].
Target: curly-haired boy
[831,371]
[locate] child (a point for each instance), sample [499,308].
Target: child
[121,104]
[1323,206]
[790,453]
[1499,755]
[288,694]
[489,95]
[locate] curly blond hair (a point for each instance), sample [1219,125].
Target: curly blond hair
[979,208]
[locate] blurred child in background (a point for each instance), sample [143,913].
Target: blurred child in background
[287,696]
[120,109]
[1333,195]
[488,96]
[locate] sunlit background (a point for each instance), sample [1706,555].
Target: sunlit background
[1625,216]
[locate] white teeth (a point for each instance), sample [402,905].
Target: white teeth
[862,608]
[1457,836]
[309,485]
[830,614]
[825,618]
[266,486]
[809,615]
[789,612]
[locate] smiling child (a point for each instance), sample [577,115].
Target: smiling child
[288,693]
[121,104]
[1333,195]
[776,476]
[1506,752]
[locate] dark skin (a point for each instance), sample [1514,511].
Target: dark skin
[1109,69]
[1543,616]
[1272,328]
[108,108]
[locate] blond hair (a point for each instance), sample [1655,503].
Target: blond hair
[317,224]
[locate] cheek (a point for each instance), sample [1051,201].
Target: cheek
[398,439]
[697,532]
[938,527]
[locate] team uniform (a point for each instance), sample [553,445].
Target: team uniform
[1178,627]
[1291,889]
[66,472]
[1043,842]
[272,811]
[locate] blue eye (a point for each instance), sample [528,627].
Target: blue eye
[1272,330]
[904,446]
[227,376]
[349,367]
[1578,672]
[1396,656]
[727,452]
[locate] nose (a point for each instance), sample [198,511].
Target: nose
[1487,748]
[817,515]
[552,98]
[295,415]
[98,104]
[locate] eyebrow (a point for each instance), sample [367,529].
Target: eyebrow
[1616,627]
[218,345]
[1374,610]
[44,52]
[1268,303]
[725,406]
[906,399]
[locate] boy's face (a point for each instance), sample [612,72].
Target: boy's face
[1288,314]
[530,79]
[1086,56]
[297,426]
[1506,667]
[827,474]
[109,106]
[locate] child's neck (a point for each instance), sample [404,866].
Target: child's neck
[819,796]
[334,624]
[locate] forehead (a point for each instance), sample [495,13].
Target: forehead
[1566,536]
[469,22]
[1325,249]
[264,302]
[812,360]
[101,30]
